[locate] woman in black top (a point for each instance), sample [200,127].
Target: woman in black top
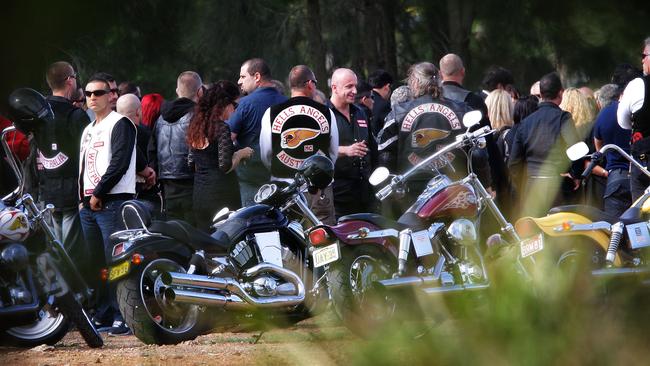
[213,154]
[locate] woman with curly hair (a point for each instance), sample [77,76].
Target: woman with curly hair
[213,154]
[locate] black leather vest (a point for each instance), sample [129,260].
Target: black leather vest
[58,153]
[300,128]
[172,148]
[354,130]
[641,118]
[428,125]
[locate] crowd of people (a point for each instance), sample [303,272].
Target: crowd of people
[217,143]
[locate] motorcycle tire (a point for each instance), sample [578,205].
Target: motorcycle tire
[45,330]
[348,294]
[142,311]
[72,309]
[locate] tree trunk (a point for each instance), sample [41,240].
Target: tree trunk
[461,15]
[316,46]
[389,11]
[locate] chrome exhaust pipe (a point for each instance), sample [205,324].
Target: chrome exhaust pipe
[414,281]
[228,301]
[191,281]
[455,288]
[400,282]
[620,272]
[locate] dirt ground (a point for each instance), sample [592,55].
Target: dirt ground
[312,342]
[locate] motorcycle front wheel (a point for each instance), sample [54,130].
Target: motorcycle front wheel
[152,318]
[49,328]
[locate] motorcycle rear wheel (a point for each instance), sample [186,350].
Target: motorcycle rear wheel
[354,300]
[47,329]
[141,306]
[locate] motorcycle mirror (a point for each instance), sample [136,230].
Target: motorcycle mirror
[221,214]
[577,151]
[472,118]
[379,175]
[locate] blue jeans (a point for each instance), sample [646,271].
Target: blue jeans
[97,228]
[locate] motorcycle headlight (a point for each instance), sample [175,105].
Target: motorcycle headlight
[265,192]
[463,232]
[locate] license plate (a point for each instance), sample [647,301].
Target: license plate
[422,243]
[639,235]
[325,255]
[119,271]
[532,245]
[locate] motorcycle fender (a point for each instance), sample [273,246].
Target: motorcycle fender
[153,247]
[528,226]
[342,230]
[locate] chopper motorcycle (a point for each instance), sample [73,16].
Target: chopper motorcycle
[606,246]
[41,290]
[174,281]
[433,248]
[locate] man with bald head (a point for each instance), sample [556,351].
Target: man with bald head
[352,191]
[452,71]
[168,150]
[130,107]
[297,129]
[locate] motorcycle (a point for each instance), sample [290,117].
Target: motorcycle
[608,247]
[41,290]
[174,281]
[433,248]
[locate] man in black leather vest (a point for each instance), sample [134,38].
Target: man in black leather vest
[297,129]
[168,148]
[634,113]
[58,159]
[452,71]
[380,81]
[415,130]
[352,191]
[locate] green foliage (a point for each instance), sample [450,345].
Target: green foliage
[150,42]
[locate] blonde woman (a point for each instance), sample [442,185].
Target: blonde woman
[584,112]
[499,106]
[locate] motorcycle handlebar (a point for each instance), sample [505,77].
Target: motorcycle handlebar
[460,141]
[384,192]
[595,157]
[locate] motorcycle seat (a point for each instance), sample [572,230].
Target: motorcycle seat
[218,243]
[589,212]
[378,220]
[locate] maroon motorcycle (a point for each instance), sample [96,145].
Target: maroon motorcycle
[433,248]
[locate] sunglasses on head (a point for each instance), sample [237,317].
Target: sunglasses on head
[98,93]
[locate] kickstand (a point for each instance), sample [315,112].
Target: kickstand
[258,337]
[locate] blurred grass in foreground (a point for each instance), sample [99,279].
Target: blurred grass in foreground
[553,319]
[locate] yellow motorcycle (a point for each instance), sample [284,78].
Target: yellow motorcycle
[612,247]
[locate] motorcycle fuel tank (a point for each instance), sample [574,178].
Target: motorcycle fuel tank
[456,200]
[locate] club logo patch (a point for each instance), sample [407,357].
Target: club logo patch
[423,137]
[293,137]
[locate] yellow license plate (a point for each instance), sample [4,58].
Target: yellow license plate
[119,271]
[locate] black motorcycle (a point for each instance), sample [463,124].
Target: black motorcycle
[41,290]
[176,282]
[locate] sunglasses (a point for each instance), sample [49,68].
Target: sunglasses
[115,91]
[98,93]
[644,55]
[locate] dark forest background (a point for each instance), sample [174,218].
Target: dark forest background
[150,42]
